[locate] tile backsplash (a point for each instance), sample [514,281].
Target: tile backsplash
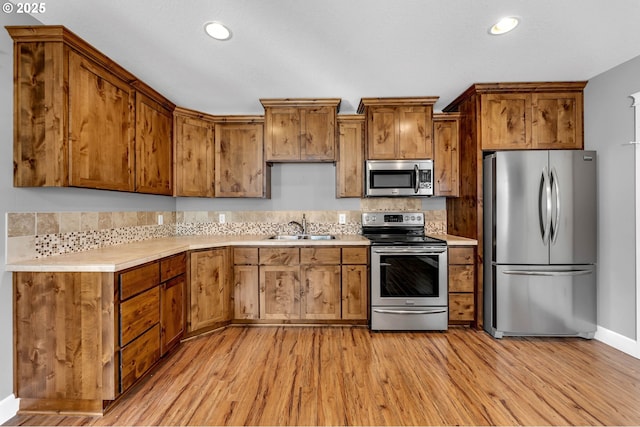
[41,234]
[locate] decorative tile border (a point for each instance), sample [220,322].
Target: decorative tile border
[43,234]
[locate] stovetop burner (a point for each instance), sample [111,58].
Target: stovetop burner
[397,229]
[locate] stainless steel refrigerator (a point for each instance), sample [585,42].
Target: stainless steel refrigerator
[540,243]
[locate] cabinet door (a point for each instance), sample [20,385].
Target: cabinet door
[354,291]
[172,302]
[209,286]
[382,134]
[194,157]
[282,134]
[317,141]
[415,133]
[321,291]
[279,292]
[350,161]
[246,292]
[139,356]
[557,120]
[446,158]
[154,156]
[506,121]
[100,128]
[240,170]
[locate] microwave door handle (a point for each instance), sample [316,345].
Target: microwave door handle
[417,184]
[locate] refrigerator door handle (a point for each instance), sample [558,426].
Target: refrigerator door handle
[555,225]
[544,205]
[548,272]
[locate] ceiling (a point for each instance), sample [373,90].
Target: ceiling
[348,49]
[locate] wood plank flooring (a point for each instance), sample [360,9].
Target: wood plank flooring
[351,376]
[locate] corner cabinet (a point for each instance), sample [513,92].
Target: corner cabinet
[194,154]
[209,295]
[80,118]
[300,130]
[398,128]
[219,156]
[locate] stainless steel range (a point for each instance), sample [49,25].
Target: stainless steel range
[408,273]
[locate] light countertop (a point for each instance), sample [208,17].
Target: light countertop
[120,257]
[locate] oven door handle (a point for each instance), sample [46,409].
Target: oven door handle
[428,311]
[424,251]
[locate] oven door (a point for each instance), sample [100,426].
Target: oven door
[409,276]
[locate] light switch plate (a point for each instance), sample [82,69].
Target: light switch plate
[342,218]
[222,218]
[160,219]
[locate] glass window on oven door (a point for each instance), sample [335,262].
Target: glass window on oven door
[410,276]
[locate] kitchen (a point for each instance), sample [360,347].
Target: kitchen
[293,196]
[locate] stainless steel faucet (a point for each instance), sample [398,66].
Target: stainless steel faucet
[303,226]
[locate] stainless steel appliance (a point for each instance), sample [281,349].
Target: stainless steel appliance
[540,243]
[409,289]
[398,178]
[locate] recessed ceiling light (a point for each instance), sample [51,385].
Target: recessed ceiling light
[217,30]
[504,25]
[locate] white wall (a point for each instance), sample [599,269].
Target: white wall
[609,125]
[39,200]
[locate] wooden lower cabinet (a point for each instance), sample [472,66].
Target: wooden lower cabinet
[462,279]
[320,292]
[298,284]
[280,292]
[84,338]
[209,289]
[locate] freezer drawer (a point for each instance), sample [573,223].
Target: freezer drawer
[543,300]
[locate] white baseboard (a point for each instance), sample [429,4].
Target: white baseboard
[8,408]
[620,342]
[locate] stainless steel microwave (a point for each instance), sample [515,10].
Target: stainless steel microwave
[386,178]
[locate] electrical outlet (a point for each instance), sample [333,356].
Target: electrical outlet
[160,220]
[342,218]
[222,218]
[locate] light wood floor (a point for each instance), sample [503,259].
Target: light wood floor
[351,376]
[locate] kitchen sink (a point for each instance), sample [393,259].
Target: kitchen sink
[302,237]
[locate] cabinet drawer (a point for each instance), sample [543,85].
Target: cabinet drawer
[245,256]
[355,255]
[139,279]
[173,266]
[461,278]
[139,356]
[461,255]
[279,256]
[461,307]
[320,256]
[139,314]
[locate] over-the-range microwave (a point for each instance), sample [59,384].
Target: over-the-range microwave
[387,178]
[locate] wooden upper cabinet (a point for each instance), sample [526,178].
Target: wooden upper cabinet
[154,158]
[194,154]
[557,120]
[506,121]
[100,127]
[80,118]
[446,154]
[350,161]
[239,151]
[398,128]
[299,130]
[537,115]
